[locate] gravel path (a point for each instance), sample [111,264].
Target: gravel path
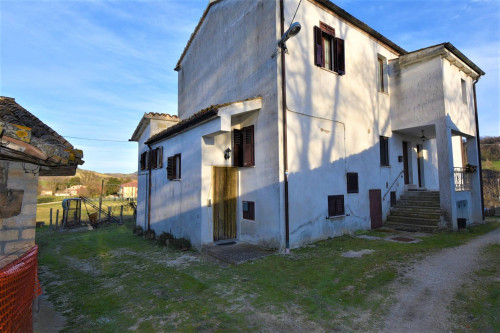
[424,293]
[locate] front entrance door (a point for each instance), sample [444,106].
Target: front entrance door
[405,163]
[420,165]
[225,194]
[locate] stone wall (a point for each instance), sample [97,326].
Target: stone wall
[18,194]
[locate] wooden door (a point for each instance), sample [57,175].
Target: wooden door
[225,194]
[405,162]
[375,208]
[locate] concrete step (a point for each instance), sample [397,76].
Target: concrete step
[410,209]
[414,220]
[410,227]
[419,197]
[417,214]
[419,203]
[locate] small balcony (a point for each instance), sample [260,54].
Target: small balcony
[462,179]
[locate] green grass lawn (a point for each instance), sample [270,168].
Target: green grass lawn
[43,210]
[108,280]
[495,165]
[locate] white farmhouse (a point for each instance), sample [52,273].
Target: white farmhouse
[345,131]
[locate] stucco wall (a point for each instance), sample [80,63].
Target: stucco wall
[417,93]
[142,182]
[17,233]
[230,60]
[321,150]
[460,115]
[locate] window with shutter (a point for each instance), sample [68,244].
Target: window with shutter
[243,147]
[384,151]
[336,205]
[329,51]
[174,167]
[144,160]
[352,182]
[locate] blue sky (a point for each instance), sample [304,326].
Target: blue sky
[90,69]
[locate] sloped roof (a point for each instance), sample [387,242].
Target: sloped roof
[145,121]
[327,4]
[25,138]
[196,119]
[129,184]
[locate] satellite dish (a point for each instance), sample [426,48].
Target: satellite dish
[292,31]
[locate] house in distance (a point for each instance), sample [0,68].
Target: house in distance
[345,131]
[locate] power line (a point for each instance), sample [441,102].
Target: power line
[74,137]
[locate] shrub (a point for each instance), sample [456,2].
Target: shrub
[164,238]
[182,244]
[137,230]
[149,234]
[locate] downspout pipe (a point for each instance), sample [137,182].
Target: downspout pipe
[149,187]
[478,139]
[285,146]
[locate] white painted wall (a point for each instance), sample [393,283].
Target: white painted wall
[230,60]
[460,116]
[320,104]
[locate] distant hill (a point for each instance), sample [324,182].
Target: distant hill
[91,179]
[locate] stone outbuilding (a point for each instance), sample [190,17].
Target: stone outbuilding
[28,149]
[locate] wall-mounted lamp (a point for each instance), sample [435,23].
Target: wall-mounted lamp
[226,154]
[423,137]
[292,31]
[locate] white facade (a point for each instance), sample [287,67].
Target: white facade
[334,126]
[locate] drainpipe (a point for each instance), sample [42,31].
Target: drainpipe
[149,187]
[285,149]
[478,148]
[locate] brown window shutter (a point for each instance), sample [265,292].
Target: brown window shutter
[248,147]
[178,171]
[153,158]
[170,167]
[318,47]
[339,54]
[142,162]
[146,159]
[237,148]
[336,205]
[160,157]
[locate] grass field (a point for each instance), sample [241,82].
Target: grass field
[491,165]
[108,280]
[43,210]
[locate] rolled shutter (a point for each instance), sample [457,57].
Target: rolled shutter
[318,47]
[339,54]
[237,148]
[248,147]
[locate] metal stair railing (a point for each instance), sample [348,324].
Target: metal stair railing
[110,217]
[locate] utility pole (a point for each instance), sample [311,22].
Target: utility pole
[100,200]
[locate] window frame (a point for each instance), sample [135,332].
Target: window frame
[249,214]
[352,182]
[144,160]
[244,146]
[335,50]
[384,151]
[336,205]
[174,167]
[463,84]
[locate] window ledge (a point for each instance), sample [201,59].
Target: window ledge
[384,92]
[328,70]
[385,166]
[336,217]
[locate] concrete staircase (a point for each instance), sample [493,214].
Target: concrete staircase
[416,211]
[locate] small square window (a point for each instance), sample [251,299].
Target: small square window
[384,151]
[249,210]
[336,205]
[352,182]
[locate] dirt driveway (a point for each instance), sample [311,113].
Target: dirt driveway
[424,293]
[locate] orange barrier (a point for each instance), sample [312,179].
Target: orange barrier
[18,287]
